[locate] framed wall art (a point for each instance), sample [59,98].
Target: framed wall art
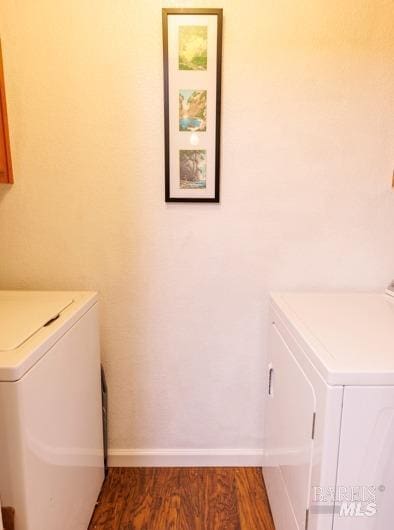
[5,150]
[192,51]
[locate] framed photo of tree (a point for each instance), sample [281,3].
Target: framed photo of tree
[192,57]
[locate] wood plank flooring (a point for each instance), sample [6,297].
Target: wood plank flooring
[183,499]
[8,516]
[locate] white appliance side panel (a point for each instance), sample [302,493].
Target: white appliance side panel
[289,411]
[366,460]
[326,440]
[325,455]
[52,454]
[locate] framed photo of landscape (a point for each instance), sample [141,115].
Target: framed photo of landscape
[192,49]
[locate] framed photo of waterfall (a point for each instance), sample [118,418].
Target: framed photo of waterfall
[192,58]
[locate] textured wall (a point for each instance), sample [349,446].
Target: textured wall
[306,199]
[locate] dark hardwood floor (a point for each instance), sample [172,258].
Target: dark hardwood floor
[183,499]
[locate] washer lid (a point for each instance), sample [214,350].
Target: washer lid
[24,336]
[23,313]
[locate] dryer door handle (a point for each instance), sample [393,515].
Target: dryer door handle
[270,379]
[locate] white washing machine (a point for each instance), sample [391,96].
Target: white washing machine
[329,429]
[51,441]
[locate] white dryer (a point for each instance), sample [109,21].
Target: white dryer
[329,428]
[51,442]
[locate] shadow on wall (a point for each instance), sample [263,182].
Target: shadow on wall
[4,189]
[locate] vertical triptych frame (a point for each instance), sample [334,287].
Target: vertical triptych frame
[192,59]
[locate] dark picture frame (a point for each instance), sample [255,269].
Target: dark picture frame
[192,61]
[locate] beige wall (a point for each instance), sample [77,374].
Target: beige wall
[306,199]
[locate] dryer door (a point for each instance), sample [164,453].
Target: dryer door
[290,416]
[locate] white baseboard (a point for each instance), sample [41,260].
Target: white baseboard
[185,457]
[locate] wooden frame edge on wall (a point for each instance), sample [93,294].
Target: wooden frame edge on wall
[206,189]
[6,174]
